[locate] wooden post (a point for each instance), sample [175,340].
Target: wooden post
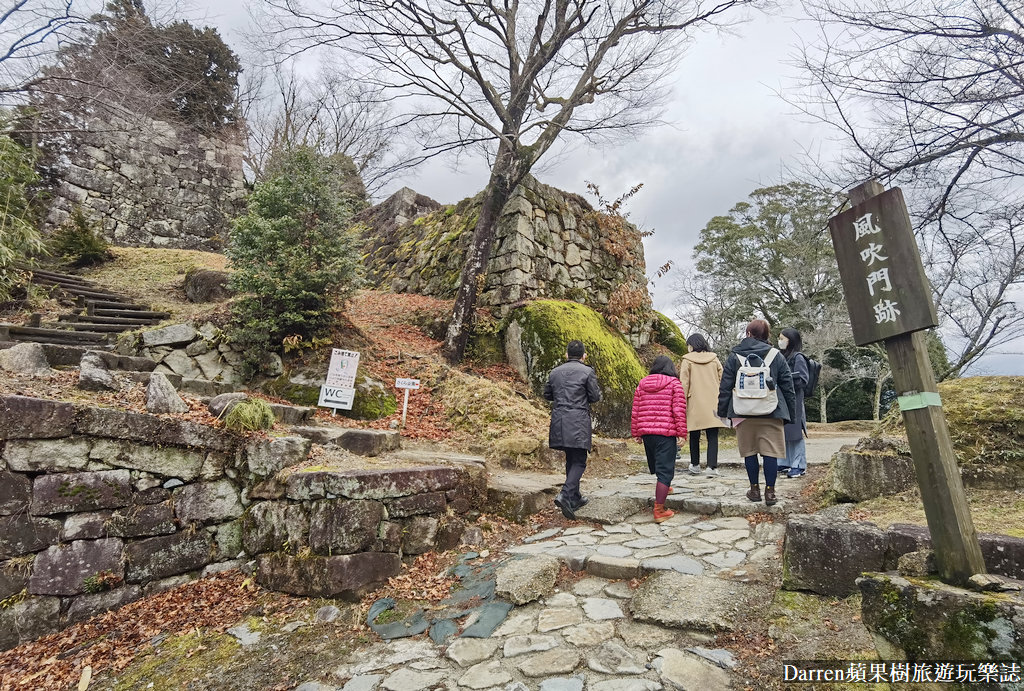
[405,407]
[957,552]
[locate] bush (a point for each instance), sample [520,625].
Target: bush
[292,254]
[250,415]
[79,243]
[19,237]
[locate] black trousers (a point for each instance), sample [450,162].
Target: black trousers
[712,434]
[575,464]
[661,457]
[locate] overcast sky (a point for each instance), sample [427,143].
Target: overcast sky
[729,134]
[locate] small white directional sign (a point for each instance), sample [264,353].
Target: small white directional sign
[407,383]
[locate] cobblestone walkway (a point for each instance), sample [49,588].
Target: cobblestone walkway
[601,634]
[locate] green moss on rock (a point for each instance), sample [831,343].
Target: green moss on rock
[667,333]
[373,400]
[536,339]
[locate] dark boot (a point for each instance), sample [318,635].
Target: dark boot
[581,503]
[754,493]
[769,496]
[565,506]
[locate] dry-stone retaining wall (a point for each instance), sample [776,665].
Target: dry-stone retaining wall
[99,507]
[153,183]
[549,245]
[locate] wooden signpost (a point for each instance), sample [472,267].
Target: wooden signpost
[889,300]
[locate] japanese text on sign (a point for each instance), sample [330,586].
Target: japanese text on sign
[407,383]
[339,389]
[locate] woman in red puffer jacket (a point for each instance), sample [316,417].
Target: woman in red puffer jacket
[659,418]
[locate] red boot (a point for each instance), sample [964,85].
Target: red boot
[661,514]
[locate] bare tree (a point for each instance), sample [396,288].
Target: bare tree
[510,76]
[331,112]
[929,94]
[31,31]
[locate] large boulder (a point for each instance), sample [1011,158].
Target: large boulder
[535,343]
[93,374]
[161,397]
[24,358]
[875,467]
[668,334]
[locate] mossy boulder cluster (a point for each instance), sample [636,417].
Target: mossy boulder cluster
[667,333]
[535,342]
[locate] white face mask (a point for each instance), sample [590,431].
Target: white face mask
[783,342]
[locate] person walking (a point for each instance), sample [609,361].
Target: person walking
[700,373]
[791,344]
[572,387]
[659,418]
[762,434]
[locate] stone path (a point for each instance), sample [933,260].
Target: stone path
[601,634]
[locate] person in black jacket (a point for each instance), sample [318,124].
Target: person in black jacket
[763,434]
[572,387]
[791,343]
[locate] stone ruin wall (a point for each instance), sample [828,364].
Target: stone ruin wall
[153,502]
[548,246]
[155,185]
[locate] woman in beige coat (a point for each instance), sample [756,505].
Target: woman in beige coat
[701,374]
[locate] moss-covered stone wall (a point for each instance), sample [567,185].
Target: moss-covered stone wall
[549,245]
[535,343]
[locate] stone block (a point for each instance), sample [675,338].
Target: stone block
[450,530]
[665,599]
[47,455]
[85,526]
[317,576]
[22,417]
[292,414]
[27,620]
[169,555]
[161,396]
[420,535]
[141,521]
[614,568]
[63,570]
[175,334]
[14,577]
[524,580]
[827,555]
[272,526]
[87,606]
[390,536]
[872,469]
[151,429]
[21,534]
[369,442]
[344,527]
[431,502]
[266,457]
[24,358]
[1003,555]
[15,492]
[74,492]
[207,502]
[935,621]
[93,374]
[184,464]
[227,538]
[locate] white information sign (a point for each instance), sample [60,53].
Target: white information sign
[339,391]
[407,383]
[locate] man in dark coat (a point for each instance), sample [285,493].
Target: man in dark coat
[572,387]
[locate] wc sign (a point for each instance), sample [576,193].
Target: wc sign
[339,388]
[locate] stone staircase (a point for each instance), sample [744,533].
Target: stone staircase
[99,315]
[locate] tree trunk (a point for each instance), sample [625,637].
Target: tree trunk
[879,385]
[508,171]
[824,405]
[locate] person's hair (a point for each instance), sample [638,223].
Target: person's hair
[663,365]
[796,342]
[575,350]
[759,329]
[698,343]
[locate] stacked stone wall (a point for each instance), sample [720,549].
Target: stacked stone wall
[99,507]
[151,183]
[549,245]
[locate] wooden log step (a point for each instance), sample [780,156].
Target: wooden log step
[137,314]
[104,304]
[46,280]
[19,333]
[90,319]
[95,328]
[82,292]
[43,273]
